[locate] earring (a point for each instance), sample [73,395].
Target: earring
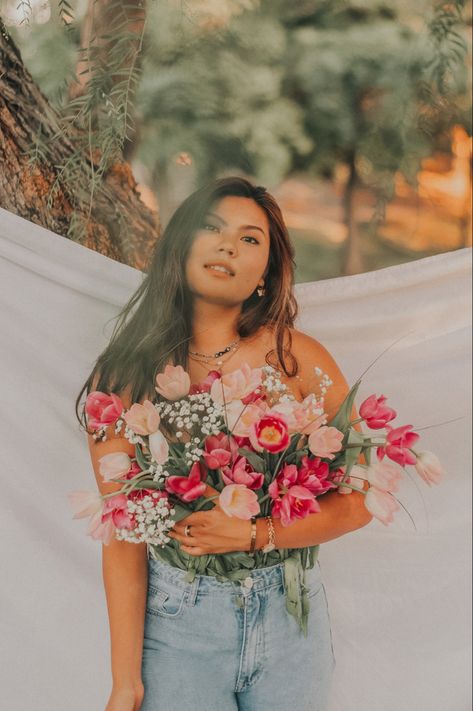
[261,290]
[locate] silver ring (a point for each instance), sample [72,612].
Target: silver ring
[187,529]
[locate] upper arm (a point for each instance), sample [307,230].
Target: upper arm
[310,353]
[113,443]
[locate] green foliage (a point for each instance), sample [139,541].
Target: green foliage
[277,87]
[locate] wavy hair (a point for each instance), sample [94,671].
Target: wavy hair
[154,327]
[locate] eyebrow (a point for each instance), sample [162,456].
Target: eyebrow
[243,227]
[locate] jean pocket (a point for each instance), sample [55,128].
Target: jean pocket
[167,602]
[334,661]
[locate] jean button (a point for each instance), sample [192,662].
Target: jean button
[248,582]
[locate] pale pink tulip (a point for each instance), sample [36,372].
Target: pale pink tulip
[159,447]
[304,417]
[375,413]
[85,503]
[428,467]
[240,417]
[325,441]
[381,504]
[384,475]
[236,385]
[239,501]
[114,465]
[174,383]
[142,419]
[102,409]
[114,515]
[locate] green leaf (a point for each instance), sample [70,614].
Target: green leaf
[140,458]
[343,416]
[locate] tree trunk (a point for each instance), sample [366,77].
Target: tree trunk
[352,259]
[127,234]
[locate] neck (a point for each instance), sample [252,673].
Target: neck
[213,326]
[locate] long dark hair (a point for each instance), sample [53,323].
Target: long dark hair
[158,330]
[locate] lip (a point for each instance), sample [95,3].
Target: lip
[220,264]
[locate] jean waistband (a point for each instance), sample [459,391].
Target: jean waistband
[255,580]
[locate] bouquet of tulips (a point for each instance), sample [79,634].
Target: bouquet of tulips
[264,452]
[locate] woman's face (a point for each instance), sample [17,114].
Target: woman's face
[233,239]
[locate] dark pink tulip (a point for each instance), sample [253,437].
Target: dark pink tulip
[205,384]
[398,444]
[291,499]
[189,487]
[219,449]
[102,409]
[375,413]
[242,473]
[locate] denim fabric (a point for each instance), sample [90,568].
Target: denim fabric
[232,646]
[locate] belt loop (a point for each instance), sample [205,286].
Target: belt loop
[192,591]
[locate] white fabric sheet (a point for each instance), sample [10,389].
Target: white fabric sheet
[398,595]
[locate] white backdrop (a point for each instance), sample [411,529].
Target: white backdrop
[399,596]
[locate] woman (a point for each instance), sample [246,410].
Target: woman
[218,293]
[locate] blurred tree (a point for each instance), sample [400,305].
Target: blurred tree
[359,70]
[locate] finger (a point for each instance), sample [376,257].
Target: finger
[193,550]
[187,540]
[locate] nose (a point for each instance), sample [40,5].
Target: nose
[228,245]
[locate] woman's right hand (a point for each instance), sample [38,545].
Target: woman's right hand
[125,699]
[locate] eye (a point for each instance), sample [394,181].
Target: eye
[209,225]
[256,241]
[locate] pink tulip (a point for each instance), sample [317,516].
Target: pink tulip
[428,467]
[101,409]
[114,515]
[159,447]
[189,487]
[381,504]
[270,432]
[375,413]
[240,417]
[85,503]
[384,475]
[219,449]
[133,471]
[114,465]
[174,383]
[324,441]
[398,444]
[205,384]
[242,473]
[236,500]
[236,385]
[304,416]
[336,476]
[314,475]
[142,419]
[290,499]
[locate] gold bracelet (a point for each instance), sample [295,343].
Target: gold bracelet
[271,545]
[253,535]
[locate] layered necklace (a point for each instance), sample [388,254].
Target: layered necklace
[215,361]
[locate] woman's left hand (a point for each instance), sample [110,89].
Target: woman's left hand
[212,531]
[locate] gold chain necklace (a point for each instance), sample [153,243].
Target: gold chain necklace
[207,362]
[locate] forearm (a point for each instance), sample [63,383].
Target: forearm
[125,575]
[339,514]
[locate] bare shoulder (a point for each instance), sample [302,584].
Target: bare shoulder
[314,361]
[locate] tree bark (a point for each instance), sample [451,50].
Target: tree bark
[352,259]
[127,235]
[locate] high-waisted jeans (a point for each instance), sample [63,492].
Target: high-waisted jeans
[232,646]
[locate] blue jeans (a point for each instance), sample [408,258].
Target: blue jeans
[232,646]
